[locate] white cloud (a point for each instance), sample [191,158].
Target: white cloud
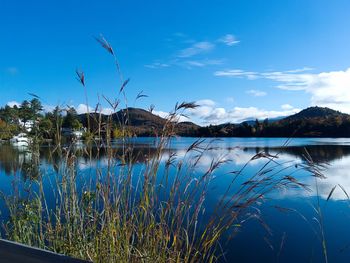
[184,62]
[48,108]
[327,89]
[82,108]
[205,109]
[203,63]
[286,107]
[162,114]
[206,102]
[331,89]
[155,65]
[195,49]
[206,113]
[229,40]
[237,73]
[216,115]
[338,175]
[257,93]
[165,115]
[239,114]
[294,79]
[13,103]
[299,70]
[209,113]
[107,111]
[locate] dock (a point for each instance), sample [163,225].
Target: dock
[12,252]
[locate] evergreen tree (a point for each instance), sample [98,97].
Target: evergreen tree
[25,112]
[71,120]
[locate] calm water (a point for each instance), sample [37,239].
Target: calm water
[297,227]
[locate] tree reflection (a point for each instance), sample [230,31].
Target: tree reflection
[27,162]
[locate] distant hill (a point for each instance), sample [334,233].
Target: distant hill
[313,122]
[139,117]
[310,122]
[141,122]
[315,112]
[270,120]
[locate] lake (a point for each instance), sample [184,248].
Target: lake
[287,229]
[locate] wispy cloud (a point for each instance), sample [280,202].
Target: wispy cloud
[194,53]
[229,40]
[295,79]
[155,65]
[327,89]
[186,61]
[195,49]
[203,63]
[257,93]
[165,114]
[237,73]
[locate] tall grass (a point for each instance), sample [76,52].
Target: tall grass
[128,211]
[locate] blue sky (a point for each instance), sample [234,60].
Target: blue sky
[237,59]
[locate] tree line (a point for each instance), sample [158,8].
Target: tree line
[29,117]
[330,126]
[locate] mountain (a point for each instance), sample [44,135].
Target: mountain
[315,112]
[145,123]
[308,113]
[141,122]
[139,117]
[310,122]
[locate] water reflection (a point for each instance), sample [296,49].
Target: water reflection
[336,153]
[13,160]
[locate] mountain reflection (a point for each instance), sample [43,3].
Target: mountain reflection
[319,153]
[13,159]
[17,159]
[21,161]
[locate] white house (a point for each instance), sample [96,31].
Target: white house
[28,125]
